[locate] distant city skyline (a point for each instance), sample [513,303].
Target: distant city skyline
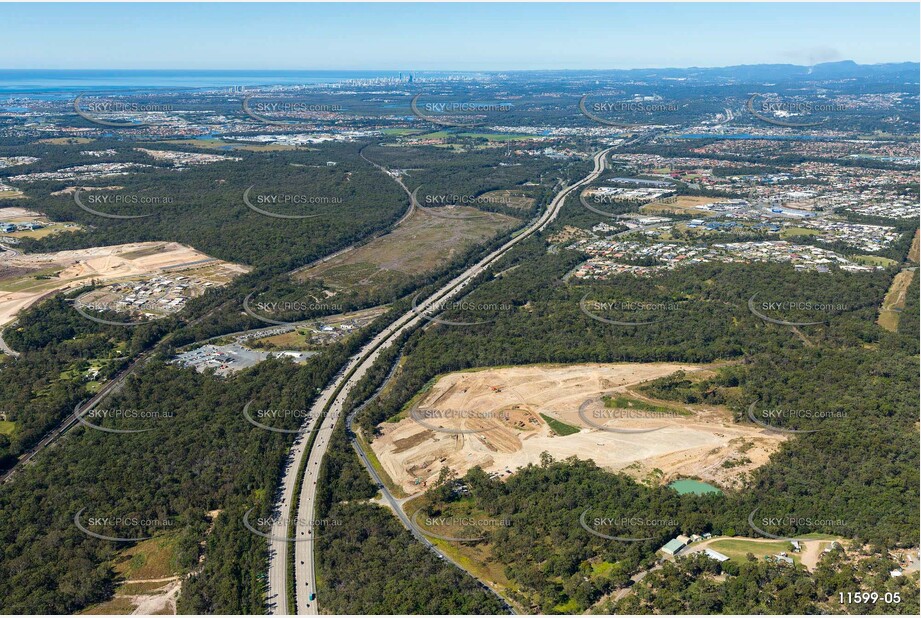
[451,36]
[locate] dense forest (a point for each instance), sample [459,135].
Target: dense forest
[196,453]
[862,465]
[699,585]
[206,208]
[64,357]
[420,584]
[201,455]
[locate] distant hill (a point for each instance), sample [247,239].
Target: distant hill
[906,72]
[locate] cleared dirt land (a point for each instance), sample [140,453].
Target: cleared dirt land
[894,302]
[503,419]
[22,215]
[147,580]
[25,279]
[15,213]
[915,250]
[319,333]
[426,240]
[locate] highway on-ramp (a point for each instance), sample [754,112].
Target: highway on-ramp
[329,405]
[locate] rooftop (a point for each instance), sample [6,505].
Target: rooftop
[672,546]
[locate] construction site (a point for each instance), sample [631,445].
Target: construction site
[25,279]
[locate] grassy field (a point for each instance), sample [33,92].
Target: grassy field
[798,231]
[873,260]
[217,144]
[297,339]
[602,568]
[915,247]
[624,402]
[150,559]
[559,427]
[62,141]
[303,337]
[499,137]
[474,557]
[36,280]
[401,132]
[738,549]
[682,205]
[7,428]
[478,560]
[510,198]
[22,215]
[420,244]
[491,137]
[435,135]
[48,230]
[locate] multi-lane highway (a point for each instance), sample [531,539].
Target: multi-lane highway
[329,405]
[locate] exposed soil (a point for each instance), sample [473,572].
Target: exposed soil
[491,418]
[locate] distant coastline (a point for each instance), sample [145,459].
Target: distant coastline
[51,82]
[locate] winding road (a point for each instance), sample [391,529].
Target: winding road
[396,504]
[4,346]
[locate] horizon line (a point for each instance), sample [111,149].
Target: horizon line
[445,70]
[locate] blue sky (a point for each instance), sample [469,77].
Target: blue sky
[451,36]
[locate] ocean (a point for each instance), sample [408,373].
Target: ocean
[65,83]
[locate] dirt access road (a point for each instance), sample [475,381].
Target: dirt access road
[497,418]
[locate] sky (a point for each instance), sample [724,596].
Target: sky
[451,36]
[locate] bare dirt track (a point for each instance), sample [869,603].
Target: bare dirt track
[894,302]
[497,419]
[27,278]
